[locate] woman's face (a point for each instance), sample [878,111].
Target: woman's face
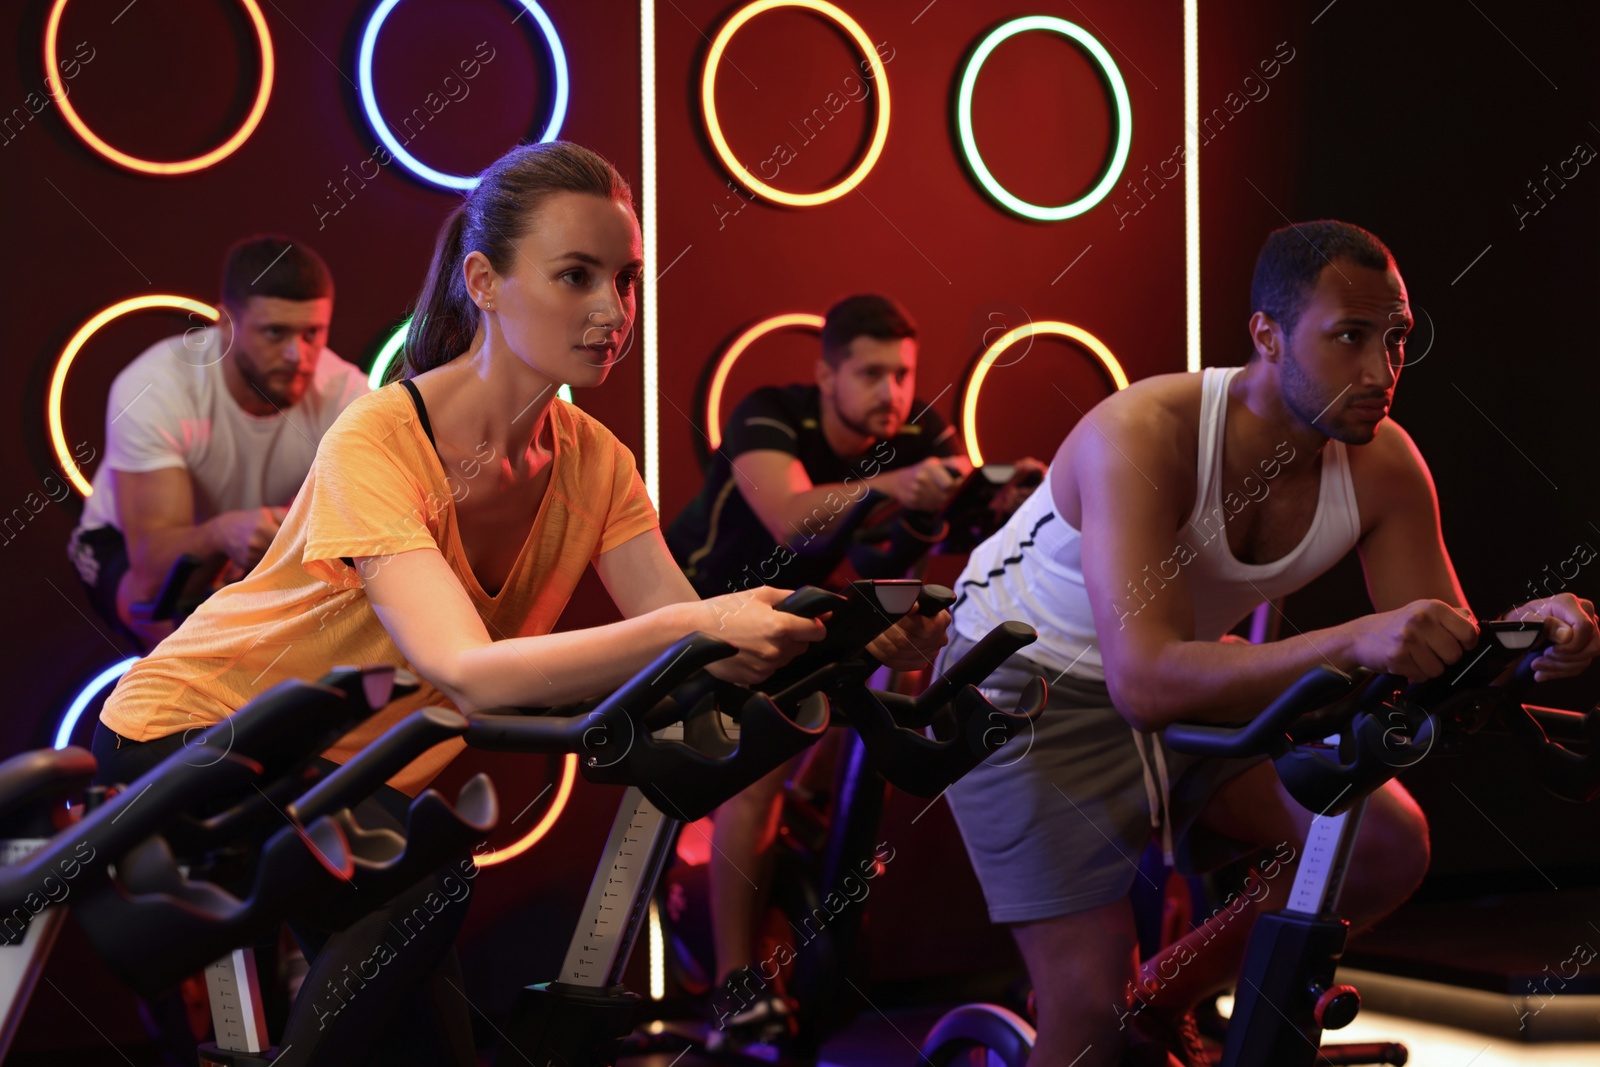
[567,306]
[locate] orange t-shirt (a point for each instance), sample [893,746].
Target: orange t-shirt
[377,487]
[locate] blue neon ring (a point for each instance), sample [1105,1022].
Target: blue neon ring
[69,721]
[369,97]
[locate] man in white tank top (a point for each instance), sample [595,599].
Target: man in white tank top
[1170,511]
[210,434]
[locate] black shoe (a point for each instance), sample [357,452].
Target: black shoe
[747,1010]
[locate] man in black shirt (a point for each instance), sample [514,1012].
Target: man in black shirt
[800,468]
[802,465]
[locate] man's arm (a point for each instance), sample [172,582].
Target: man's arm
[155,511]
[1133,557]
[1405,558]
[1402,551]
[1128,471]
[780,492]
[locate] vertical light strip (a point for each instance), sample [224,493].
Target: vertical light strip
[658,956]
[652,248]
[1191,177]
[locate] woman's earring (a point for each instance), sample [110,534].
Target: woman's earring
[488,305]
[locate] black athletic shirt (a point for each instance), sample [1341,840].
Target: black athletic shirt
[721,544]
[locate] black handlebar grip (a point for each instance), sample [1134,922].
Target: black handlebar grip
[1564,772]
[1562,724]
[378,762]
[527,733]
[405,683]
[373,687]
[1266,733]
[934,599]
[810,602]
[981,660]
[664,674]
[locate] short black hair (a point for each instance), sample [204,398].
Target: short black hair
[273,265]
[864,315]
[1292,259]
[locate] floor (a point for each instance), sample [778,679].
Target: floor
[890,1040]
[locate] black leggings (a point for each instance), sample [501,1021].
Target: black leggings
[388,989]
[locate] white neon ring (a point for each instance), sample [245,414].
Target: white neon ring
[1119,92]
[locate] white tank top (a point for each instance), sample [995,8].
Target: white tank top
[1031,569]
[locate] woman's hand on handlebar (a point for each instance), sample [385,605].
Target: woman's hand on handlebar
[1418,640]
[765,637]
[1569,622]
[911,643]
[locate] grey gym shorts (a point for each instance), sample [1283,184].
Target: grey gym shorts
[1055,822]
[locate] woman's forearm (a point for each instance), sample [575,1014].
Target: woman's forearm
[560,668]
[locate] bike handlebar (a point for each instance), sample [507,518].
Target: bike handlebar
[1380,733]
[1268,733]
[1561,771]
[981,660]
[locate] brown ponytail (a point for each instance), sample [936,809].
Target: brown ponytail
[491,219]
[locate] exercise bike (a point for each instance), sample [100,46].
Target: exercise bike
[691,758]
[832,806]
[828,851]
[1334,739]
[108,858]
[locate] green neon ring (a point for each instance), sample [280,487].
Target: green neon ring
[1119,92]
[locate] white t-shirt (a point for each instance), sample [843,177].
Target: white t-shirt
[171,408]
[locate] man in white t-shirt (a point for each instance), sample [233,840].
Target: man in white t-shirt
[210,434]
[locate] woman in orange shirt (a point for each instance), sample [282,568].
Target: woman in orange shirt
[442,528]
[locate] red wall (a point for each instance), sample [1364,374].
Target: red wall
[918,227]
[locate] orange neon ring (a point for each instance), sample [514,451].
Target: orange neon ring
[59,90]
[708,102]
[969,405]
[58,380]
[569,773]
[719,378]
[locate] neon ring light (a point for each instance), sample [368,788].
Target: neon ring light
[58,380]
[969,405]
[719,378]
[225,149]
[1123,116]
[99,682]
[569,773]
[708,102]
[369,96]
[386,355]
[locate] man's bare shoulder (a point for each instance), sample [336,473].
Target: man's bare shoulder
[1390,454]
[1170,392]
[1388,472]
[1150,427]
[1159,414]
